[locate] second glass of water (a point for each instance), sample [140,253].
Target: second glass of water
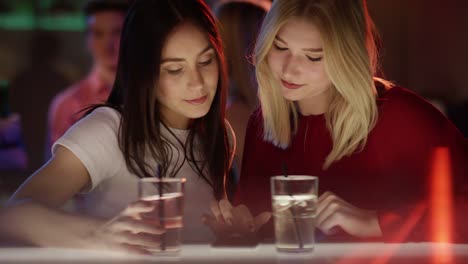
[294,202]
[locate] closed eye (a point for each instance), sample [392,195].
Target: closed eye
[207,62]
[174,72]
[279,48]
[314,59]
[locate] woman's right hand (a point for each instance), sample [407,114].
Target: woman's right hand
[34,224]
[229,222]
[128,231]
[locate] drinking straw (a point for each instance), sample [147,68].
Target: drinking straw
[291,208]
[161,206]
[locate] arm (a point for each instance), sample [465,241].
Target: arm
[335,214]
[30,216]
[409,177]
[31,223]
[436,159]
[443,207]
[56,182]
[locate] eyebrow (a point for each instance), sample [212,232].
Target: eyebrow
[311,49]
[181,59]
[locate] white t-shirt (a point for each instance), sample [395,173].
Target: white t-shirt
[94,140]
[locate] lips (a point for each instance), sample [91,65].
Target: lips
[289,85]
[197,101]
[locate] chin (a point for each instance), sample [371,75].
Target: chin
[290,96]
[197,113]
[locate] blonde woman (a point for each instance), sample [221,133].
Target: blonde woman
[324,113]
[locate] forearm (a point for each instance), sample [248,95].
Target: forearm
[34,224]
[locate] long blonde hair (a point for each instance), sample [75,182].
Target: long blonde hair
[350,59]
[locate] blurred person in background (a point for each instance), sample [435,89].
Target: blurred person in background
[240,21]
[31,91]
[12,153]
[104,20]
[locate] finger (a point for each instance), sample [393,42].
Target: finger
[243,219]
[136,226]
[324,196]
[330,225]
[141,206]
[329,196]
[170,223]
[140,239]
[261,219]
[132,249]
[213,224]
[146,240]
[325,201]
[326,209]
[209,221]
[138,207]
[337,216]
[216,211]
[226,211]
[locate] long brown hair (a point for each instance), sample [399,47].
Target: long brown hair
[146,27]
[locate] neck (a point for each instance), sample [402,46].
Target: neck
[177,122]
[105,74]
[315,105]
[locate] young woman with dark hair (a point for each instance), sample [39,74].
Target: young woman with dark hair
[166,111]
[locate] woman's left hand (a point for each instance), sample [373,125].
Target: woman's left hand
[237,222]
[333,212]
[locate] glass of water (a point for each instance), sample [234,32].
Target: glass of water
[167,194]
[294,202]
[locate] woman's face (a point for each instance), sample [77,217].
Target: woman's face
[296,61]
[188,76]
[104,37]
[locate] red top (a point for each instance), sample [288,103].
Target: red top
[65,109]
[390,175]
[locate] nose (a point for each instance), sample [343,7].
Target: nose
[195,81]
[112,44]
[291,66]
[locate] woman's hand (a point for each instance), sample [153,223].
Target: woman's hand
[230,222]
[30,223]
[132,230]
[333,212]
